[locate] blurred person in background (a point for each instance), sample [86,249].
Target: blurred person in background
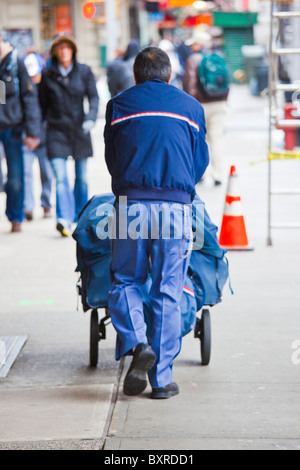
[19,113]
[215,106]
[120,71]
[64,87]
[35,64]
[183,52]
[177,70]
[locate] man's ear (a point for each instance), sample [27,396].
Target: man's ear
[169,81]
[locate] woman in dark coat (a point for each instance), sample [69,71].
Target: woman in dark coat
[64,86]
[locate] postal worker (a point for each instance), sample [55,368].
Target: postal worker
[156,152]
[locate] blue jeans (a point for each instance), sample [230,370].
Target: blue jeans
[1,174]
[12,143]
[46,178]
[69,203]
[169,259]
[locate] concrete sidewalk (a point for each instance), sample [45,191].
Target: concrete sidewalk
[50,399]
[247,398]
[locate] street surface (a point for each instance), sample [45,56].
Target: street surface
[247,398]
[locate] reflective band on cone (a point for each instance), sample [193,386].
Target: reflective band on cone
[233,234]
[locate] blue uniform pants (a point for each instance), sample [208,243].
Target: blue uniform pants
[161,248]
[46,177]
[69,203]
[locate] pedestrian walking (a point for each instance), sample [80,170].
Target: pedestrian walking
[156,152]
[35,64]
[177,70]
[20,113]
[214,102]
[120,70]
[64,86]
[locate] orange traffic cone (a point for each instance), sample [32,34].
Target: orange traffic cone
[233,235]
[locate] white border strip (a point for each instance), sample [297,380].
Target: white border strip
[11,347]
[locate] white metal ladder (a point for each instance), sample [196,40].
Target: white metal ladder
[275,121]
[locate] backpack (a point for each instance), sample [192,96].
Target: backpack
[213,76]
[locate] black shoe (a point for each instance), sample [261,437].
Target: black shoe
[136,378]
[165,392]
[63,229]
[218,183]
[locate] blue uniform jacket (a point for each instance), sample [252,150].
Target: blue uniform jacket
[155,144]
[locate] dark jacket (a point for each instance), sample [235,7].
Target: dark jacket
[155,143]
[62,103]
[22,106]
[120,71]
[120,76]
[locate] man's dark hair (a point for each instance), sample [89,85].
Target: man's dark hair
[152,63]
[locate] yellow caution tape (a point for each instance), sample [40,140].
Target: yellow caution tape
[279,156]
[284,156]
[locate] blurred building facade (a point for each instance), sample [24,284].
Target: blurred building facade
[33,23]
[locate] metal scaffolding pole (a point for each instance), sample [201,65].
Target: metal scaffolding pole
[276,50]
[269,240]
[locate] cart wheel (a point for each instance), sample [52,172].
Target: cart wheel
[205,337]
[94,339]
